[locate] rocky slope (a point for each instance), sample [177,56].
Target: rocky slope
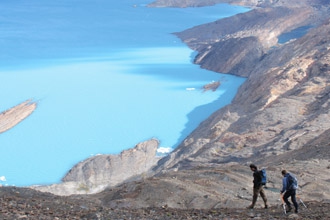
[281,107]
[96,173]
[235,45]
[21,203]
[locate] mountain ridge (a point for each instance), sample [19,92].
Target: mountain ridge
[276,81]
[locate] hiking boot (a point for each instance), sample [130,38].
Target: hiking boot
[250,207]
[266,206]
[289,209]
[296,211]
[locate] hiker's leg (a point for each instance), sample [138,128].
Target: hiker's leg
[255,196]
[286,195]
[294,200]
[263,196]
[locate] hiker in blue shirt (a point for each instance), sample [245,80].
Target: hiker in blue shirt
[257,187]
[289,188]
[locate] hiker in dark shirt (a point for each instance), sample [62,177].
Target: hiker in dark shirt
[257,187]
[289,190]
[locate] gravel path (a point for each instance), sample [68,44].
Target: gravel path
[21,203]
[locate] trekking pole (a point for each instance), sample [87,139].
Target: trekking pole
[283,204]
[301,201]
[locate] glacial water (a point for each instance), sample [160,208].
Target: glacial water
[106,75]
[294,34]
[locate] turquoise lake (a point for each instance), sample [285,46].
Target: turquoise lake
[106,75]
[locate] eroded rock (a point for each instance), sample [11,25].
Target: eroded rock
[96,173]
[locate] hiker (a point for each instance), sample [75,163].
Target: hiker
[257,187]
[289,190]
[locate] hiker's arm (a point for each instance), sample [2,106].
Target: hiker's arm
[284,185]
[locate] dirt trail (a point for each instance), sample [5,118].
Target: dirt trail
[23,203]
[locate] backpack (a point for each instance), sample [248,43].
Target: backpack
[263,175]
[292,182]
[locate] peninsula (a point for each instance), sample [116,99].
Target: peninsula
[16,114]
